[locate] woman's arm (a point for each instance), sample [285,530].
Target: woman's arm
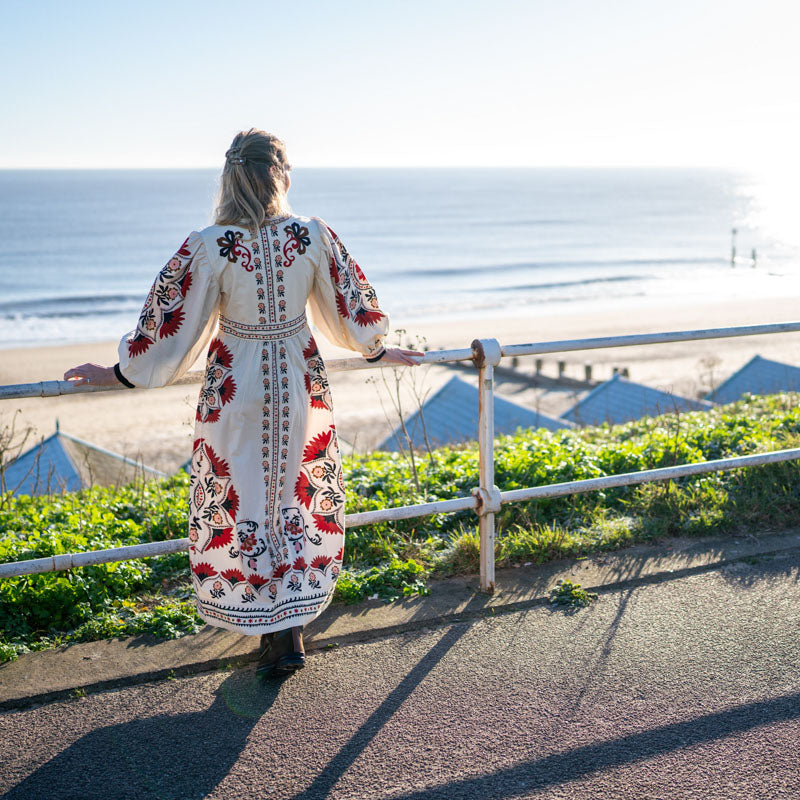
[345,307]
[176,324]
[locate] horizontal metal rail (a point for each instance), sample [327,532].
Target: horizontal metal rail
[409,512]
[150,549]
[89,558]
[647,476]
[566,345]
[56,388]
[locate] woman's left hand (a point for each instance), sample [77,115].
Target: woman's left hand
[91,375]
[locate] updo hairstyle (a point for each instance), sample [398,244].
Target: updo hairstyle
[254,180]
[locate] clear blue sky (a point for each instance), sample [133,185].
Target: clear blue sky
[555,82]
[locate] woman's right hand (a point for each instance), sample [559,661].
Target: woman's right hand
[92,375]
[398,355]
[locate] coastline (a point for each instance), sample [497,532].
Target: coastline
[157,426]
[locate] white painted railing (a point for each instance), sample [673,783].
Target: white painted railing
[486,498]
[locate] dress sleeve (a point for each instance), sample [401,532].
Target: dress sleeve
[177,321]
[342,302]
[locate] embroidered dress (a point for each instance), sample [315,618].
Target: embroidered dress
[266,504]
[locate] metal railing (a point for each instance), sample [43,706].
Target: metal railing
[486,499]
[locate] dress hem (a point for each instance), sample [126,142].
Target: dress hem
[259,629]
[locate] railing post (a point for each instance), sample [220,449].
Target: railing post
[485,356]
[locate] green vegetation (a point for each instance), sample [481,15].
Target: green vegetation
[570,596]
[394,560]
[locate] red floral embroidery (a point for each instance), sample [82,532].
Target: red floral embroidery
[219,387]
[280,571]
[317,447]
[257,580]
[214,502]
[316,380]
[297,241]
[162,314]
[220,537]
[355,297]
[303,490]
[327,523]
[233,576]
[204,571]
[231,247]
[321,563]
[318,486]
[300,564]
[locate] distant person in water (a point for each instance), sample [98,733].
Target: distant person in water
[266,503]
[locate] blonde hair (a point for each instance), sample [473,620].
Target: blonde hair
[253,183]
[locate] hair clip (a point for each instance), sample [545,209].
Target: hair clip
[234,156]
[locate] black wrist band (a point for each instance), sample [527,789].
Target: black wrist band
[121,378]
[377,357]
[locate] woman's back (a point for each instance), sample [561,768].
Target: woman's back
[265,277]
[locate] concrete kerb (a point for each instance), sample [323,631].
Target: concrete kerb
[72,669]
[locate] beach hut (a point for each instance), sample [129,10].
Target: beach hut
[64,463]
[619,400]
[758,376]
[450,416]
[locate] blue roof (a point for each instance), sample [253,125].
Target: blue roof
[619,400]
[758,376]
[64,463]
[44,468]
[450,416]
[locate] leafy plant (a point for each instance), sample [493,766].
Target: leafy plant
[570,595]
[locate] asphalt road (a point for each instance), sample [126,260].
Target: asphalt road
[684,689]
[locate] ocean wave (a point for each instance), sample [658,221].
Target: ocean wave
[554,265]
[75,306]
[563,284]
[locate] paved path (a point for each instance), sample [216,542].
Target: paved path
[687,688]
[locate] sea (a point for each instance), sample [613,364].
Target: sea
[81,248]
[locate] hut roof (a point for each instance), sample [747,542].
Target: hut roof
[619,400]
[758,376]
[64,463]
[450,416]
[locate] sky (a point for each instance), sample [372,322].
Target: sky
[401,83]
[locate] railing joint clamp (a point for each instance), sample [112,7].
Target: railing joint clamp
[486,502]
[486,352]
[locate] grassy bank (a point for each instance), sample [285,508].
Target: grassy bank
[155,595]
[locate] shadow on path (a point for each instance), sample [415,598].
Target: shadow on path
[186,756]
[340,763]
[560,768]
[166,756]
[592,678]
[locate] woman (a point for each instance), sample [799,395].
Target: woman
[266,502]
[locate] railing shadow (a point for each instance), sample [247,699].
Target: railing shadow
[752,571]
[559,768]
[169,756]
[330,774]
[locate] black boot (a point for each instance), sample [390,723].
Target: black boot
[282,652]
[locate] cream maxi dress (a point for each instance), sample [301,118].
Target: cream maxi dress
[266,503]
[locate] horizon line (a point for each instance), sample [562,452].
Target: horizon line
[382,166]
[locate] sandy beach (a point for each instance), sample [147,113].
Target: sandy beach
[156,425]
